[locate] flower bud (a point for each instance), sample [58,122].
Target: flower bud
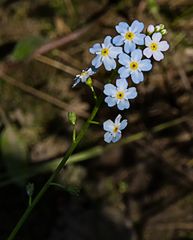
[72,118]
[150,29]
[89,82]
[30,189]
[163,32]
[161,26]
[157,28]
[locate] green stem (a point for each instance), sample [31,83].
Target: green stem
[93,92]
[56,172]
[74,134]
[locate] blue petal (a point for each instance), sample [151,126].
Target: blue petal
[115,51]
[124,104]
[124,59]
[118,40]
[118,119]
[129,46]
[139,39]
[77,80]
[136,55]
[110,101]
[97,61]
[137,26]
[145,65]
[108,125]
[95,48]
[122,27]
[108,137]
[107,42]
[109,89]
[123,124]
[109,63]
[116,138]
[131,93]
[122,83]
[137,77]
[124,72]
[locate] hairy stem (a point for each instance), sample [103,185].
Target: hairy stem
[45,187]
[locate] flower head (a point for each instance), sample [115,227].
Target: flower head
[85,74]
[113,129]
[129,35]
[120,94]
[155,47]
[134,66]
[105,54]
[150,29]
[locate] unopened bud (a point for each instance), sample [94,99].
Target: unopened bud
[150,29]
[72,118]
[161,26]
[163,31]
[30,189]
[89,82]
[157,28]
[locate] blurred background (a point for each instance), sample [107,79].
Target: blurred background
[141,188]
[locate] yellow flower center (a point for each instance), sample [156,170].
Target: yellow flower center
[120,95]
[129,36]
[134,65]
[154,46]
[116,128]
[84,73]
[105,52]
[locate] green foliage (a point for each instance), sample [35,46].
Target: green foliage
[25,47]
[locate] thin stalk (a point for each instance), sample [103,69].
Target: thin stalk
[74,133]
[56,172]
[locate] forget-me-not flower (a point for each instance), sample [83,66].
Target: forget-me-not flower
[120,94]
[85,74]
[106,54]
[129,35]
[155,47]
[134,66]
[113,129]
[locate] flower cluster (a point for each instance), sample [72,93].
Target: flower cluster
[132,51]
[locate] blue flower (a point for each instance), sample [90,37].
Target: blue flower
[85,74]
[155,47]
[106,54]
[134,66]
[113,129]
[119,94]
[129,35]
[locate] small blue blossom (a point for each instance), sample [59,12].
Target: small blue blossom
[120,94]
[134,66]
[155,47]
[106,54]
[85,74]
[113,129]
[129,35]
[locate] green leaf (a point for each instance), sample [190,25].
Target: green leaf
[25,47]
[14,153]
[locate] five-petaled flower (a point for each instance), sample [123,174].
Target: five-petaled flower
[85,74]
[155,47]
[119,94]
[134,66]
[129,35]
[106,53]
[113,129]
